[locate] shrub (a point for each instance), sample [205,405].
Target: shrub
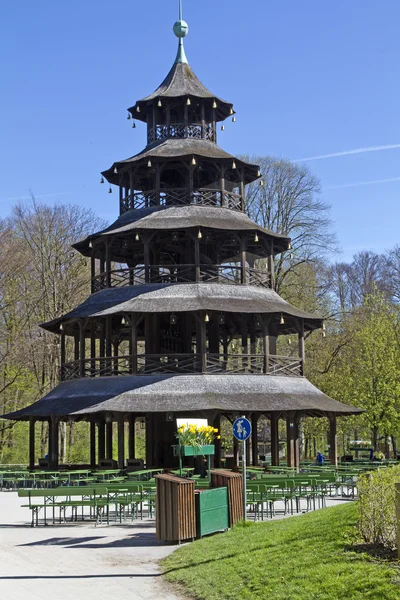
[377,506]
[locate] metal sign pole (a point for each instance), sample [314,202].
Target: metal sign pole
[244,481]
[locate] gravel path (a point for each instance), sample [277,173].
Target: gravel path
[80,561]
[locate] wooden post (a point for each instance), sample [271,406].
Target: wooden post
[301,347]
[197,257]
[101,439]
[274,423]
[203,343]
[203,121]
[108,262]
[271,267]
[146,258]
[92,347]
[92,444]
[243,259]
[108,344]
[82,348]
[235,453]
[109,440]
[333,453]
[297,443]
[223,185]
[121,443]
[133,344]
[131,437]
[217,457]
[62,344]
[254,439]
[266,346]
[242,190]
[290,441]
[31,443]
[92,272]
[53,446]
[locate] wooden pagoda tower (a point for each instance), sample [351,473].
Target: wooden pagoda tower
[181,321]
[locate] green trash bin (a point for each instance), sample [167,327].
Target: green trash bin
[211,511]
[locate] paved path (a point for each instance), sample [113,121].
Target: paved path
[79,562]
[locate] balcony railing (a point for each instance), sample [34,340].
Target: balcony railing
[181,197]
[212,364]
[194,131]
[181,274]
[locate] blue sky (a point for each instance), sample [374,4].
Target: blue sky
[308,78]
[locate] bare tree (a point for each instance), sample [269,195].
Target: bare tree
[290,203]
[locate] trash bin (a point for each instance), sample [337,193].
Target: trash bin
[211,511]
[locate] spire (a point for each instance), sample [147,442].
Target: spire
[181,29]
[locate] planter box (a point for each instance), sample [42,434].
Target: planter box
[194,450]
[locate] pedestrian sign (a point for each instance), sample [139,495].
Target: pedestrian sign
[242,429]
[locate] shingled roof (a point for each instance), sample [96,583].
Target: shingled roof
[185,297]
[180,82]
[181,148]
[182,217]
[183,394]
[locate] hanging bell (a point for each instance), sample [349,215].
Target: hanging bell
[138,108]
[188,102]
[159,104]
[149,164]
[256,237]
[222,127]
[129,116]
[115,171]
[262,183]
[133,125]
[258,173]
[231,111]
[282,320]
[90,244]
[207,318]
[199,235]
[193,161]
[137,238]
[110,190]
[233,119]
[214,104]
[289,246]
[233,165]
[102,180]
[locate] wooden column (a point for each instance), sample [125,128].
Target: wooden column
[92,444]
[274,422]
[121,443]
[197,257]
[82,348]
[108,262]
[92,347]
[203,342]
[254,439]
[242,189]
[133,344]
[271,268]
[31,443]
[53,443]
[109,440]
[203,120]
[101,440]
[266,346]
[108,343]
[243,259]
[149,441]
[217,457]
[301,347]
[297,443]
[92,272]
[62,344]
[131,437]
[333,453]
[290,441]
[223,185]
[146,250]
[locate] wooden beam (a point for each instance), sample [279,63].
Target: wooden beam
[101,426]
[266,345]
[301,346]
[121,443]
[243,259]
[274,424]
[254,438]
[82,348]
[333,452]
[271,267]
[31,443]
[109,440]
[92,444]
[131,437]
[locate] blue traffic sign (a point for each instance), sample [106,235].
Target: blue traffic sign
[242,429]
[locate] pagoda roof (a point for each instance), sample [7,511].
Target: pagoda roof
[182,217]
[187,297]
[183,394]
[181,148]
[182,82]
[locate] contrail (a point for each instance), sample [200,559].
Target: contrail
[36,196]
[359,183]
[349,152]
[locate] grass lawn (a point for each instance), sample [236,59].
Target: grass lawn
[304,557]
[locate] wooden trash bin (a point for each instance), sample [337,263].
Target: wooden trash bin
[175,509]
[234,483]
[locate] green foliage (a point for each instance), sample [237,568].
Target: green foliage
[300,558]
[377,507]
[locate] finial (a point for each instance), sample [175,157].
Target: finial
[181,29]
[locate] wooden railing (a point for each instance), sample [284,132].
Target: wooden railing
[194,131]
[181,274]
[181,197]
[147,364]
